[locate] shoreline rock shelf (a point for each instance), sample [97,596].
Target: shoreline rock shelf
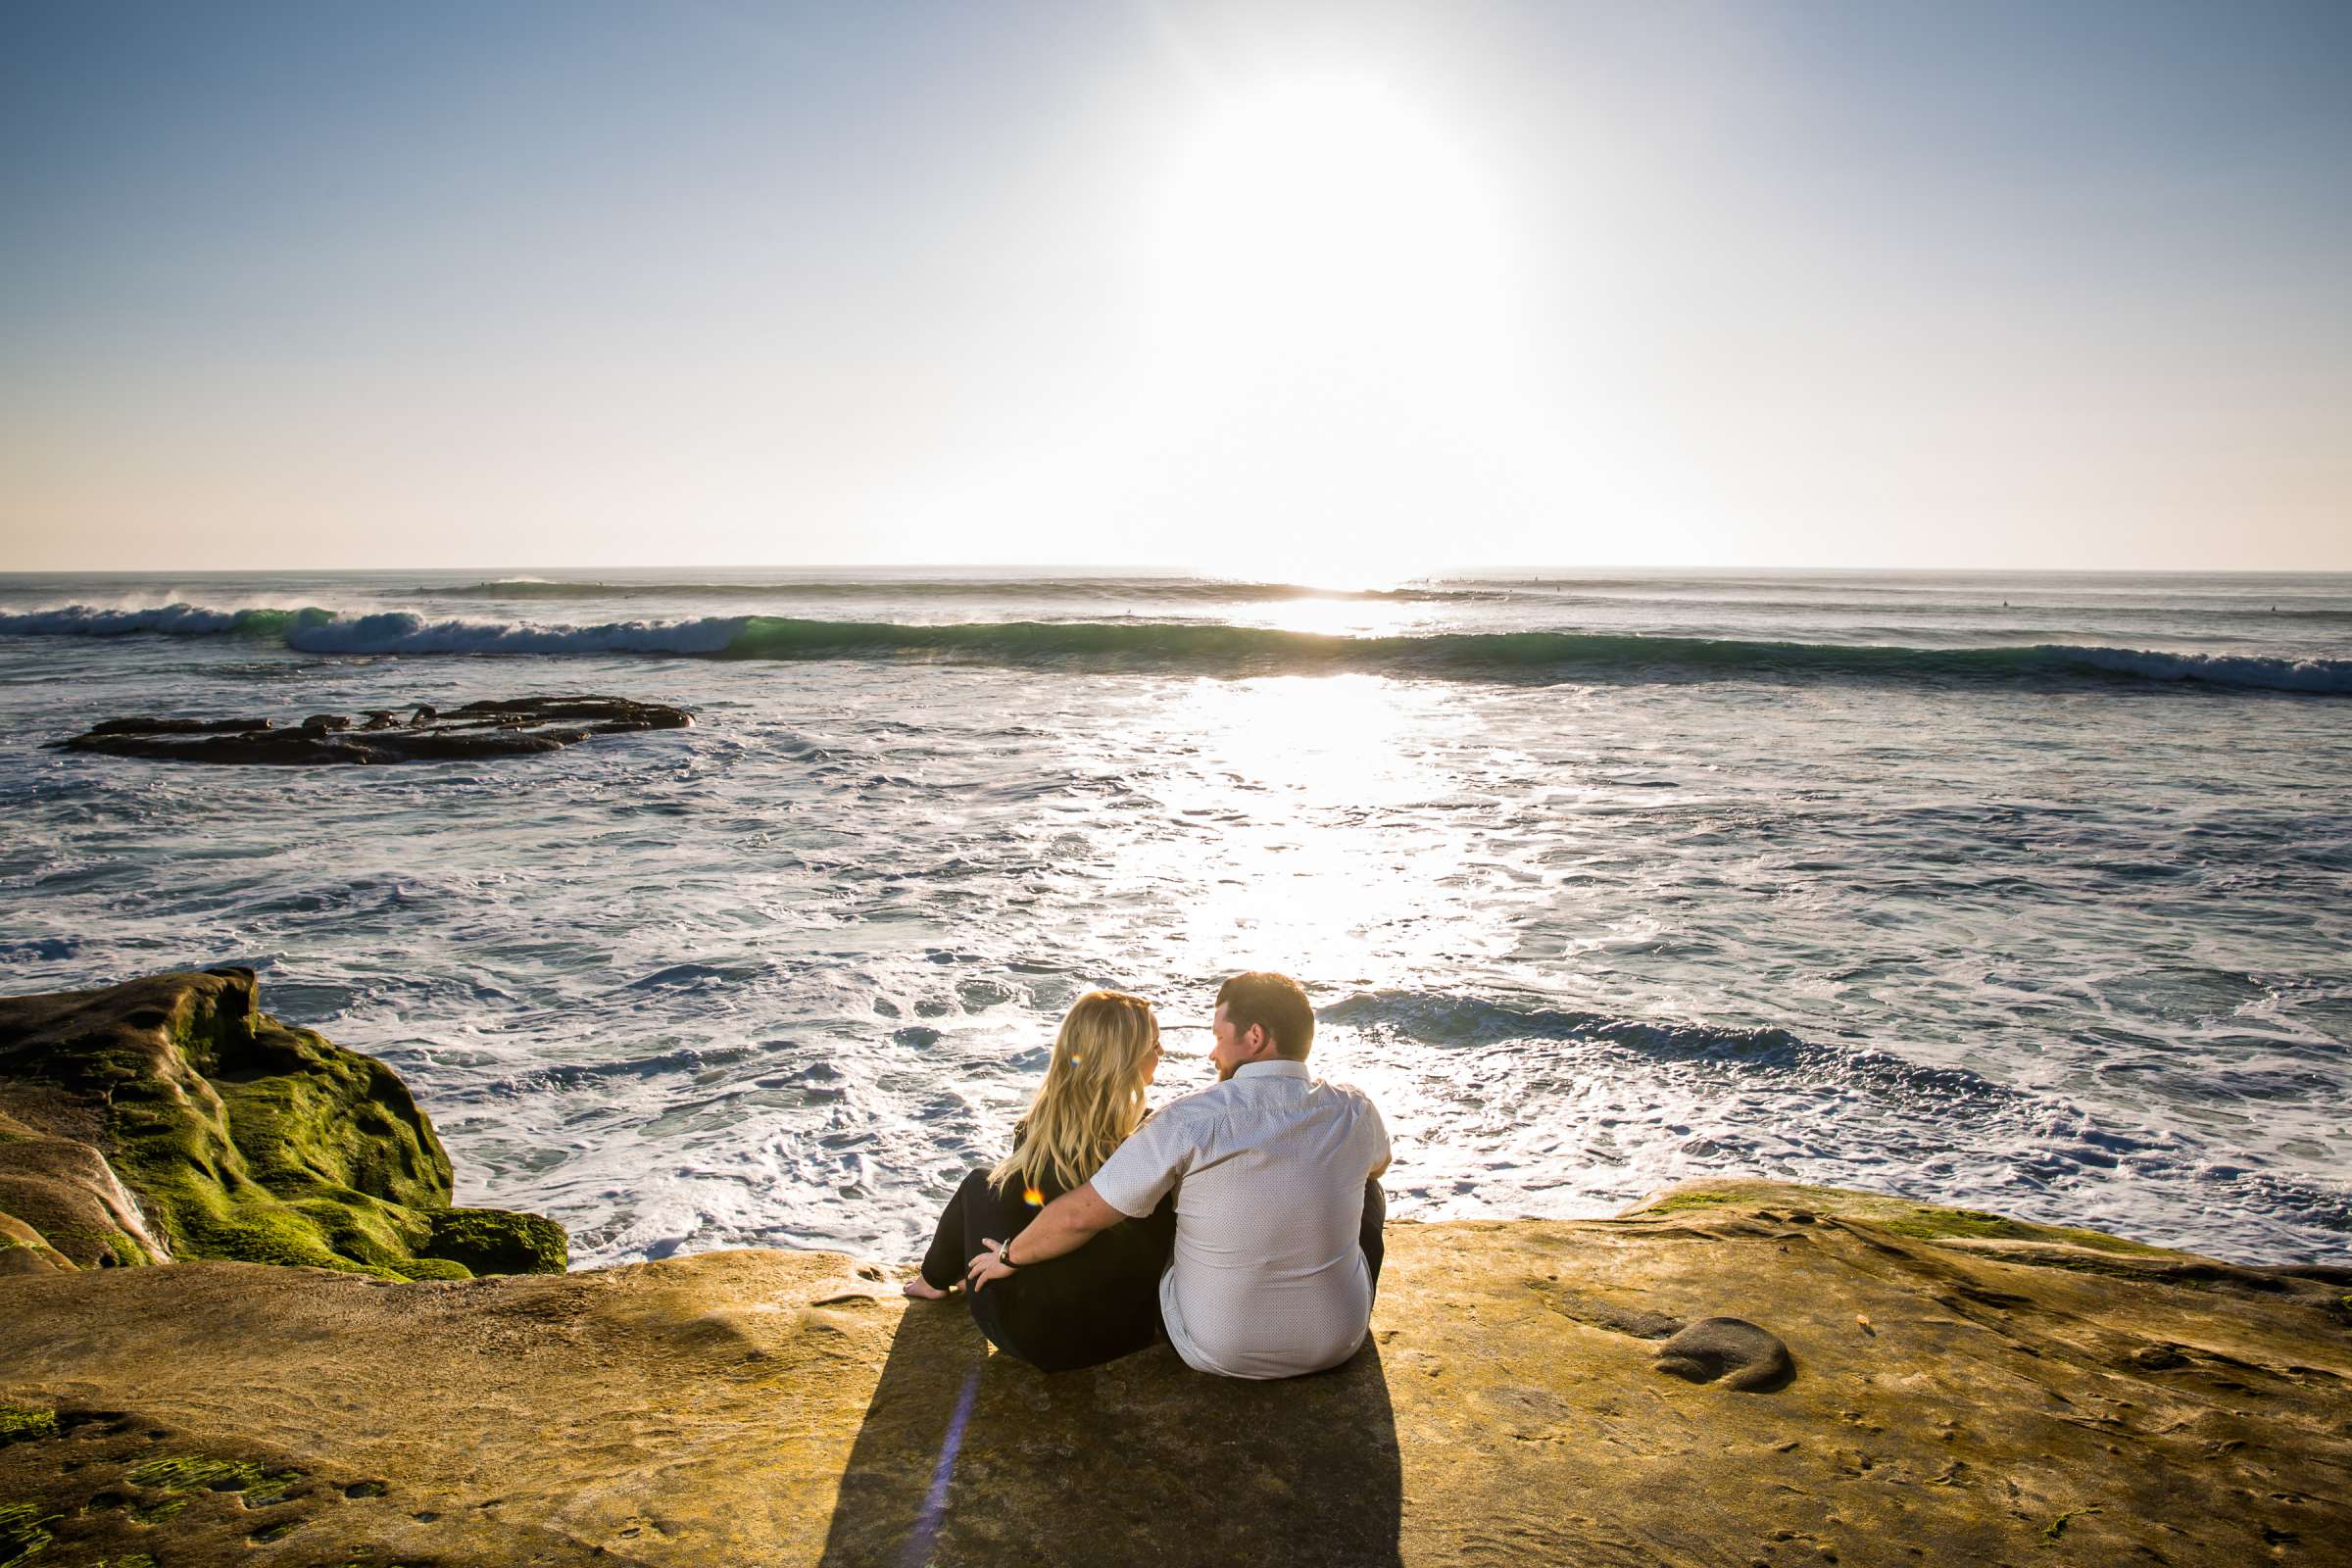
[1886,1382]
[511,728]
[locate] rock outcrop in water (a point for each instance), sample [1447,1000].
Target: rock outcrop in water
[240,1137]
[517,727]
[1897,1384]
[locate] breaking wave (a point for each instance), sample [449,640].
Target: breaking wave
[1206,649]
[170,620]
[1443,1020]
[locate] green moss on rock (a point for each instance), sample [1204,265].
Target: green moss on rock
[499,1241]
[1901,1215]
[21,1536]
[123,1250]
[1939,1224]
[248,1140]
[1676,1202]
[284,1149]
[184,1473]
[23,1424]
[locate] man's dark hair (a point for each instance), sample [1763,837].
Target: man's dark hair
[1275,1002]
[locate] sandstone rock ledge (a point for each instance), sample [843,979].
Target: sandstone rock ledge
[1961,1390]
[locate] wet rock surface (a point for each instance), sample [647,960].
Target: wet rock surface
[512,728]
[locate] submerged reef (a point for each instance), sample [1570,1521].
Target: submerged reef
[515,727]
[1740,1373]
[170,1119]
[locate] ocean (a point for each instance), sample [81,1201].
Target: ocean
[2026,892]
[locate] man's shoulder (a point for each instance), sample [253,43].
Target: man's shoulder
[1344,1091]
[1212,1100]
[1168,1127]
[1202,1108]
[1245,1095]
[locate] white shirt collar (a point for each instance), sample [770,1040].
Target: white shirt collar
[1279,1067]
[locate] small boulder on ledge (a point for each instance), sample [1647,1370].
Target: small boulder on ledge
[515,728]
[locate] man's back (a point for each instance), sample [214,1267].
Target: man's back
[1268,1279]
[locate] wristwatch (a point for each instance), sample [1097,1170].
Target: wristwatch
[1005,1253]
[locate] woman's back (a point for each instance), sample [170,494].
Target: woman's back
[1101,1300]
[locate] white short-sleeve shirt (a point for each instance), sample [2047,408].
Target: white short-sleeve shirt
[1267,1279]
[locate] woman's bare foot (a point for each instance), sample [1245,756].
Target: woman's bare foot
[922,1291]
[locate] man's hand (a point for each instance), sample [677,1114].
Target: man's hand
[985,1267]
[1066,1224]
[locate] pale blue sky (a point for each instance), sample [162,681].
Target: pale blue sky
[1258,287]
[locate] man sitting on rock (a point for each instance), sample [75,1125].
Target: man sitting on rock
[1278,1202]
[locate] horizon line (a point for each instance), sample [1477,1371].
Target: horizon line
[1194,573]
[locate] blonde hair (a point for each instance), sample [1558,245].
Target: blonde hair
[1093,1096]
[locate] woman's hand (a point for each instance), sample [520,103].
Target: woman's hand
[985,1267]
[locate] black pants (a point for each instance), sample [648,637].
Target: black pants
[1083,1308]
[1089,1307]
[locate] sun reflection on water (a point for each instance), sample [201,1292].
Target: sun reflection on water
[1339,617]
[1293,785]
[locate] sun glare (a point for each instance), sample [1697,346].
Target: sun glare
[1325,217]
[1331,379]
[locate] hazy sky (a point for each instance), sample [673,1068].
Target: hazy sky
[1266,288]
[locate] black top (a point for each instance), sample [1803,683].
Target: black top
[1082,1308]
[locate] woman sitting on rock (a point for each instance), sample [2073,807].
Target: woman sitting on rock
[1102,1300]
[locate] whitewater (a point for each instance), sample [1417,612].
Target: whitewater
[2021,892]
